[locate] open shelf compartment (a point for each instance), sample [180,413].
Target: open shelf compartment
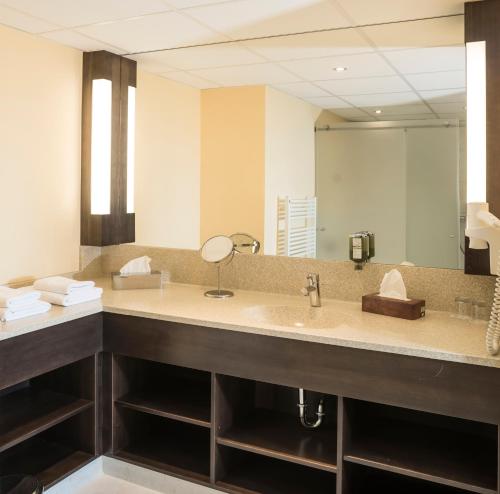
[250,473]
[264,418]
[168,446]
[54,453]
[445,450]
[165,390]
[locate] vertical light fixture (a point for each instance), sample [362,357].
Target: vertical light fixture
[476,121]
[131,150]
[108,149]
[100,151]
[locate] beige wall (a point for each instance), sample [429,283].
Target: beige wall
[40,113]
[167,163]
[232,161]
[290,156]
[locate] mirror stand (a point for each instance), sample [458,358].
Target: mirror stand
[219,293]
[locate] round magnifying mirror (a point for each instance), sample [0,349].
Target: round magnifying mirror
[245,244]
[217,249]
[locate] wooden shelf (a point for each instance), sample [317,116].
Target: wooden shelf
[44,459]
[165,445]
[448,457]
[184,405]
[281,436]
[248,473]
[27,412]
[365,480]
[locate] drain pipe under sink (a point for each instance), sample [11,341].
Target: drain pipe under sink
[303,412]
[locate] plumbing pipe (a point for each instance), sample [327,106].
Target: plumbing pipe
[303,412]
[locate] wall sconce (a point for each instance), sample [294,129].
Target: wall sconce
[483,228]
[108,149]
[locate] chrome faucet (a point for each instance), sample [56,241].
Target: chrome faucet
[312,289]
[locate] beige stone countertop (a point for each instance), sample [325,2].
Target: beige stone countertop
[438,335]
[56,315]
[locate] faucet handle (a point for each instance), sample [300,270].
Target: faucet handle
[305,291]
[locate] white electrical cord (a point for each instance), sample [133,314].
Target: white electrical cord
[493,333]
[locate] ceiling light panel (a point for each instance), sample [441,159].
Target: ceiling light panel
[152,32]
[254,18]
[69,13]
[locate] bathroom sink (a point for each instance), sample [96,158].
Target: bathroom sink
[296,316]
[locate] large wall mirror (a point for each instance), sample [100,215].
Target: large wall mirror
[307,138]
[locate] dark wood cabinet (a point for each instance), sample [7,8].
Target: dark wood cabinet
[219,408]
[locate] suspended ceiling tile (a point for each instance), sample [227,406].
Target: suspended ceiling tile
[412,116]
[24,22]
[152,32]
[382,100]
[372,12]
[186,4]
[80,42]
[415,109]
[457,95]
[417,34]
[448,107]
[189,80]
[437,80]
[69,13]
[204,57]
[311,45]
[434,59]
[368,85]
[329,102]
[350,113]
[253,18]
[302,90]
[247,75]
[318,69]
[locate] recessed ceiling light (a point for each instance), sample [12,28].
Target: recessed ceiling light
[378,112]
[340,69]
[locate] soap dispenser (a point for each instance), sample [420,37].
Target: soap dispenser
[361,248]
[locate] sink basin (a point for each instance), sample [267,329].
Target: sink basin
[296,316]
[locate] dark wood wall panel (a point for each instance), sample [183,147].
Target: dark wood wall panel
[117,227]
[482,21]
[32,354]
[422,384]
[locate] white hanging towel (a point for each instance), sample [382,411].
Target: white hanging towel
[60,284]
[12,298]
[77,297]
[36,308]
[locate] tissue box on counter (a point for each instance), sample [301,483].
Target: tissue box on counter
[136,281]
[405,309]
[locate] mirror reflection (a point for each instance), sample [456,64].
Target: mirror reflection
[306,139]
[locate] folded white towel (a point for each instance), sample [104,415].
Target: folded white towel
[77,297]
[38,307]
[60,284]
[12,298]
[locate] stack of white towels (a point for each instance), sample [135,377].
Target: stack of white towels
[63,291]
[19,303]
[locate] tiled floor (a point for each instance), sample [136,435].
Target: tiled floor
[104,484]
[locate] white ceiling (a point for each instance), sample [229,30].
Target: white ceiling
[412,69]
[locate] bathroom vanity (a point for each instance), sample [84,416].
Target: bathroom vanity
[214,400]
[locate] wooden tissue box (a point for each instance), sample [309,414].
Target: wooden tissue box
[136,281]
[405,309]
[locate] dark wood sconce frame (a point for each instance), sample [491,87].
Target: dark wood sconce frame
[482,21]
[118,227]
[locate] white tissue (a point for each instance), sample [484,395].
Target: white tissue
[137,266]
[393,286]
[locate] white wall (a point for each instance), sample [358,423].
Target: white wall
[290,155]
[40,118]
[167,163]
